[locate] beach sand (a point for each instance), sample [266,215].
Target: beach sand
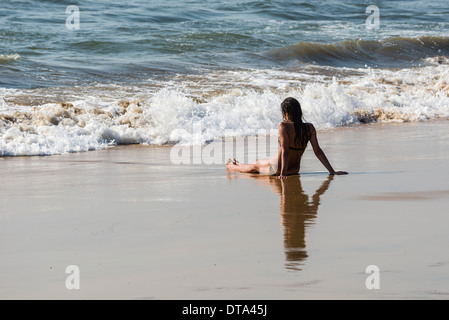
[139,227]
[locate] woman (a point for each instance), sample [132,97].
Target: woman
[294,137]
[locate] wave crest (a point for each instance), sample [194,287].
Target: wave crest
[392,52]
[4,59]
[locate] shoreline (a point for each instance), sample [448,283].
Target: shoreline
[223,139]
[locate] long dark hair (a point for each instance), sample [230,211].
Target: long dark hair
[292,108]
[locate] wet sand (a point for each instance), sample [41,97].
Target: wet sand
[139,227]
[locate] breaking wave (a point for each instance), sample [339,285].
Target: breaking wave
[226,103]
[392,53]
[5,59]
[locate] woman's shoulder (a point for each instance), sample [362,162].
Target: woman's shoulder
[310,125]
[285,124]
[311,129]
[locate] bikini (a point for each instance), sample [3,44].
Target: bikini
[291,148]
[273,165]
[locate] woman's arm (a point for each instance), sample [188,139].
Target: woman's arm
[285,150]
[319,153]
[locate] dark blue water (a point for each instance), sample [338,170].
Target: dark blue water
[131,41]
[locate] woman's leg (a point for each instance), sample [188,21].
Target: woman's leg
[256,167]
[243,168]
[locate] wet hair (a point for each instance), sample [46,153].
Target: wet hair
[291,108]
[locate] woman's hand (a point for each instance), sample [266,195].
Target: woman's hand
[282,177]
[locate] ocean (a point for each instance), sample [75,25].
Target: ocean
[86,75]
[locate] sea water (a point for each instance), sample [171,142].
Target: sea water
[84,75]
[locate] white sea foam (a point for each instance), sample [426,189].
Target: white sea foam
[226,104]
[9,57]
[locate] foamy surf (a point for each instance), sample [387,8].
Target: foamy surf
[221,103]
[4,59]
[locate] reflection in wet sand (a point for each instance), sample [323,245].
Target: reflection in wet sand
[298,211]
[407,196]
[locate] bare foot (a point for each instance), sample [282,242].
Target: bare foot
[231,163]
[232,166]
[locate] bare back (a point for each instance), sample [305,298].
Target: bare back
[296,151]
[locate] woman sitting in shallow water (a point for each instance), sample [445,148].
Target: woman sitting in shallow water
[294,137]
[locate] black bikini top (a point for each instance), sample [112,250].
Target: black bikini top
[297,149]
[292,148]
